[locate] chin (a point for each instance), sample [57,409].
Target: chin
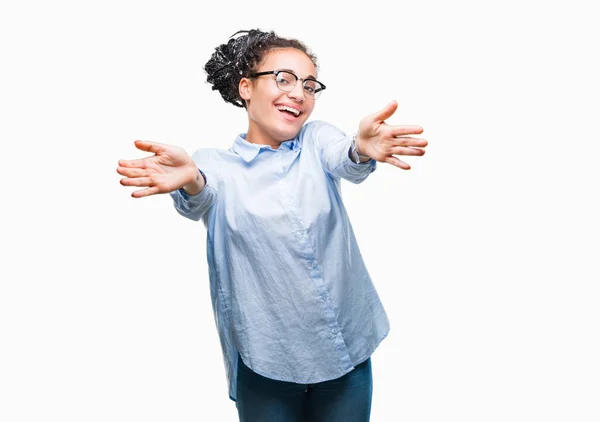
[287,133]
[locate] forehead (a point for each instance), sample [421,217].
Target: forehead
[289,58]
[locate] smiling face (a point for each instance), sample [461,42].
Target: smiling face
[268,124]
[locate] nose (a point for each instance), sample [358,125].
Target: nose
[298,92]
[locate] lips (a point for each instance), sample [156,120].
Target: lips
[287,115]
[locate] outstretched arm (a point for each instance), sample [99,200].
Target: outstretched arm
[170,170]
[375,141]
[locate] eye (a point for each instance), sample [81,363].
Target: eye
[310,86]
[285,78]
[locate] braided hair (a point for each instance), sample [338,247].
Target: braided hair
[240,57]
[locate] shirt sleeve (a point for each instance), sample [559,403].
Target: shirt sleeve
[333,147]
[197,206]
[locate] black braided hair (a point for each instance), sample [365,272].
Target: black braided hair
[242,55]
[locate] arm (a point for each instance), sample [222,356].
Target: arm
[171,170]
[334,148]
[348,156]
[195,199]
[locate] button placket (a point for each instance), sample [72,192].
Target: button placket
[309,256]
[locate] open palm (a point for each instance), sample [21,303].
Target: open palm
[382,142]
[169,169]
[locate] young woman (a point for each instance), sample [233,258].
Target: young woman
[297,313]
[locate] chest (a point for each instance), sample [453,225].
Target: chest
[283,190]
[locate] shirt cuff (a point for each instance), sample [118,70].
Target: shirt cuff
[356,159]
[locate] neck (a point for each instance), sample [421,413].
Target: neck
[256,136]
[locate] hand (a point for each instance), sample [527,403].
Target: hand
[169,169]
[381,142]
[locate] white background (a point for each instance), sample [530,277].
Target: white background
[485,254]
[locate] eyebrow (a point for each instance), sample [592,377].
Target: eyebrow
[291,71]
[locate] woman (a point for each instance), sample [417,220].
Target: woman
[297,313]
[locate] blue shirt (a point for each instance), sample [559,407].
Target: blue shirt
[289,288]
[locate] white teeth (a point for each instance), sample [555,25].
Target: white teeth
[296,112]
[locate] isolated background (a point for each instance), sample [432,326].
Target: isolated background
[485,254]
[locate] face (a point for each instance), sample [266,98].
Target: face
[267,123]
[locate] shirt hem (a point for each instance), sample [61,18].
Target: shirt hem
[354,365]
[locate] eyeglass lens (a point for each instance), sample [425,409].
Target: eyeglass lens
[287,81]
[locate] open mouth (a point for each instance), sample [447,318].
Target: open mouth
[288,112]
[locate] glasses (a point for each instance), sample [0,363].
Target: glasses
[286,81]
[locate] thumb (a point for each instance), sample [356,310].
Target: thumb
[154,147]
[384,113]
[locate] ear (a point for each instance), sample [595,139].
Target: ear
[245,88]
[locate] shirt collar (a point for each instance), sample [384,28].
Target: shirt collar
[248,151]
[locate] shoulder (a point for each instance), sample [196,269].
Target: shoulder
[216,155]
[210,160]
[318,125]
[319,131]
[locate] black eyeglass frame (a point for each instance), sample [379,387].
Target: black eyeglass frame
[277,72]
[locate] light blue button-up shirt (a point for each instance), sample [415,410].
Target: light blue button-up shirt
[290,291]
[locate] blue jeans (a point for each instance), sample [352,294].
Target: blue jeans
[345,399]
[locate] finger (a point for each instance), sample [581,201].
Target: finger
[131,172]
[407,141]
[136,181]
[384,113]
[405,130]
[398,163]
[145,192]
[408,151]
[139,163]
[154,147]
